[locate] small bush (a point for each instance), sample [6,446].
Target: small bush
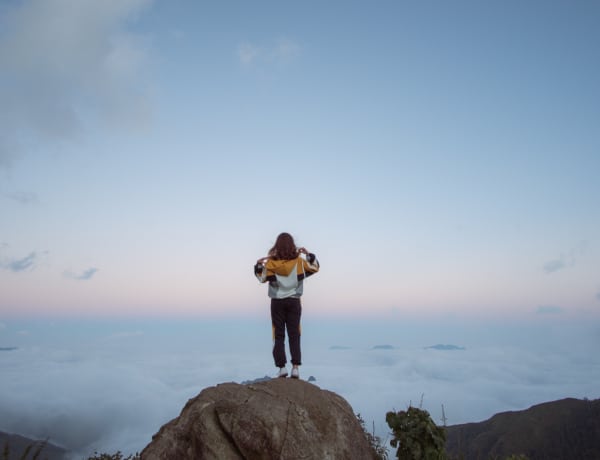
[416,436]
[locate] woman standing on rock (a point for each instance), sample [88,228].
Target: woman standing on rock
[285,268]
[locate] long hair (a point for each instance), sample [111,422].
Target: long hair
[284,248]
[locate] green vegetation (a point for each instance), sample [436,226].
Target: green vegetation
[416,436]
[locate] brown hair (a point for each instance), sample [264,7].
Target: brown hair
[284,248]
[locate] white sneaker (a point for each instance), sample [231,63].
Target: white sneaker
[282,373]
[295,373]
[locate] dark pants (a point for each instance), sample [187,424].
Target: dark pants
[285,313]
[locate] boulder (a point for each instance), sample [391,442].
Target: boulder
[276,419]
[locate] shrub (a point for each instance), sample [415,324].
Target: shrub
[416,436]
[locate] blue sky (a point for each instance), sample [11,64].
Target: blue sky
[438,157]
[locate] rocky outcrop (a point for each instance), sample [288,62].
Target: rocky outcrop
[277,419]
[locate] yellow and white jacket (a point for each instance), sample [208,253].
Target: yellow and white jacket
[286,277]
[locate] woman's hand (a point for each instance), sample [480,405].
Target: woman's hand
[262,260]
[303,251]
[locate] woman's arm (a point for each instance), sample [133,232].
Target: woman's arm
[311,262]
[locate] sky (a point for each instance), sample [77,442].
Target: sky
[440,158]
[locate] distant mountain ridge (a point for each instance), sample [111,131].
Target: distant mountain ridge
[18,444]
[446,347]
[566,429]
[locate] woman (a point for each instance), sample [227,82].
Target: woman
[285,268]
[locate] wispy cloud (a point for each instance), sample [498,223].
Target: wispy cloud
[286,49]
[568,260]
[248,53]
[281,51]
[61,59]
[555,265]
[549,310]
[81,276]
[23,197]
[28,262]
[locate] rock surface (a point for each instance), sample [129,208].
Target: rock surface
[277,419]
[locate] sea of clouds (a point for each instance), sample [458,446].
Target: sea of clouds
[109,385]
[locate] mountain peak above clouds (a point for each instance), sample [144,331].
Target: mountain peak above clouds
[445,347]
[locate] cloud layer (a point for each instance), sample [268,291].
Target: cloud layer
[110,386]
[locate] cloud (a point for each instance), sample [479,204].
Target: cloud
[548,310]
[64,63]
[95,386]
[247,53]
[23,197]
[286,49]
[18,265]
[282,51]
[569,260]
[83,276]
[554,265]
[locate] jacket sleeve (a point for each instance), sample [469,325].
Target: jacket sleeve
[311,264]
[260,272]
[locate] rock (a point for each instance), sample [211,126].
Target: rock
[279,419]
